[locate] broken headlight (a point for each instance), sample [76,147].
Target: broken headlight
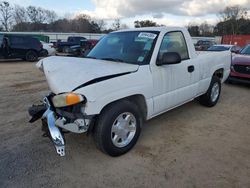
[67,99]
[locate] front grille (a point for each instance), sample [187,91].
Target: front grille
[243,69]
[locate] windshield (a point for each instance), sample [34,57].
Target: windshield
[218,48]
[134,47]
[245,50]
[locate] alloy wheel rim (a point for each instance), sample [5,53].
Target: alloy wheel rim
[31,57]
[215,92]
[123,129]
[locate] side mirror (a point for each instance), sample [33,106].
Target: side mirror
[169,58]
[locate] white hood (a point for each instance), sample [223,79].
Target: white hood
[64,74]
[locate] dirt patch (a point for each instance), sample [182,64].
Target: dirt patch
[27,84]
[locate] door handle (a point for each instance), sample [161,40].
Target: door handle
[191,68]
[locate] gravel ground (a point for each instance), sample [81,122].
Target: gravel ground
[191,146]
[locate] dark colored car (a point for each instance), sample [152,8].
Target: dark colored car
[71,41]
[20,46]
[240,69]
[80,50]
[203,45]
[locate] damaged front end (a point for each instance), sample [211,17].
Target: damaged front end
[59,117]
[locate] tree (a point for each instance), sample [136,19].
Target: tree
[95,27]
[36,14]
[101,24]
[61,25]
[116,25]
[234,20]
[50,16]
[232,13]
[20,18]
[81,23]
[145,23]
[194,30]
[230,17]
[32,13]
[6,15]
[19,14]
[206,29]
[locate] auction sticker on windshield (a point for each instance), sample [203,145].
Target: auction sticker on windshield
[147,35]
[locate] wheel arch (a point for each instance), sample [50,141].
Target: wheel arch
[219,73]
[138,99]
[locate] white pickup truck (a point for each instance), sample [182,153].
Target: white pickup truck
[130,76]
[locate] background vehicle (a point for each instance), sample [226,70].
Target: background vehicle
[79,50]
[20,46]
[128,77]
[224,47]
[48,49]
[71,41]
[240,69]
[203,45]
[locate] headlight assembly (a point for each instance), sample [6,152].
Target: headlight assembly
[67,99]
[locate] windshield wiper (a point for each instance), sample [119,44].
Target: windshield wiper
[112,59]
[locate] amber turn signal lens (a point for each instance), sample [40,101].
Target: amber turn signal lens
[72,98]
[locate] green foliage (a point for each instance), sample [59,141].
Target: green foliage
[145,23]
[233,26]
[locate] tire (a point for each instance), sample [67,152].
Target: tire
[65,49]
[112,126]
[31,56]
[211,97]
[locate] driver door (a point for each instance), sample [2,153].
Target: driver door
[177,83]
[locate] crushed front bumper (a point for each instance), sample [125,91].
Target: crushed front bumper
[57,120]
[45,112]
[55,133]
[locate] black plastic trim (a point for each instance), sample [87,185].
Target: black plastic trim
[96,80]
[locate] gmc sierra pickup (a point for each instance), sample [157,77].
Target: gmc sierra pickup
[130,76]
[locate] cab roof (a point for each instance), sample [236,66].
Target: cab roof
[159,29]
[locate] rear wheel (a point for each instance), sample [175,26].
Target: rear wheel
[118,128]
[211,97]
[31,56]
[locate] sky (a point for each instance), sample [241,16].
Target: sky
[166,12]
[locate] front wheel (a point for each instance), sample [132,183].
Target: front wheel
[211,97]
[118,128]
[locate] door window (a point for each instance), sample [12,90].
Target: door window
[174,42]
[16,40]
[1,39]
